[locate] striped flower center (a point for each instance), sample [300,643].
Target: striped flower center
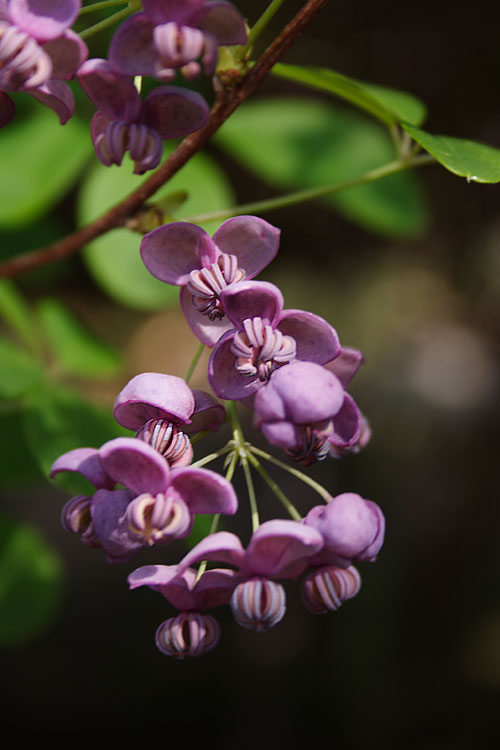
[206,284]
[143,144]
[260,349]
[23,63]
[258,603]
[187,635]
[157,518]
[166,438]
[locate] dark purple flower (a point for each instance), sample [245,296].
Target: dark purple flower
[158,503]
[305,410]
[191,633]
[124,122]
[185,255]
[352,528]
[37,49]
[278,549]
[172,35]
[264,338]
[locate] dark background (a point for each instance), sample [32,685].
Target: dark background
[413,661]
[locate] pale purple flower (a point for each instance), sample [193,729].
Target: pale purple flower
[37,50]
[124,122]
[352,529]
[327,588]
[172,35]
[277,549]
[191,633]
[305,410]
[158,503]
[264,338]
[185,255]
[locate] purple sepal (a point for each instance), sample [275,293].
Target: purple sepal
[203,491]
[224,21]
[84,461]
[183,591]
[316,340]
[131,50]
[346,424]
[113,94]
[56,95]
[352,528]
[346,364]
[174,112]
[108,510]
[136,465]
[172,251]
[208,413]
[153,395]
[180,11]
[250,299]
[253,241]
[43,19]
[67,53]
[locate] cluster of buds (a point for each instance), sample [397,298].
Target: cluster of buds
[286,365]
[38,52]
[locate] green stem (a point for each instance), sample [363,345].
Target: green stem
[194,362]
[262,22]
[110,20]
[292,510]
[212,456]
[241,449]
[300,196]
[295,472]
[103,4]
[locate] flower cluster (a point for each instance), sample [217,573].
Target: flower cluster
[38,52]
[288,367]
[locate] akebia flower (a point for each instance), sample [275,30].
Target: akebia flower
[37,50]
[157,504]
[305,410]
[124,122]
[327,588]
[185,255]
[277,549]
[264,338]
[172,35]
[352,529]
[192,632]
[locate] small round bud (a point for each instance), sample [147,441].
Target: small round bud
[75,517]
[259,604]
[327,588]
[168,440]
[187,635]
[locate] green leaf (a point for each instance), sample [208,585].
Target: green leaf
[114,260]
[19,371]
[57,421]
[475,161]
[16,314]
[42,160]
[295,143]
[387,105]
[18,466]
[30,583]
[76,350]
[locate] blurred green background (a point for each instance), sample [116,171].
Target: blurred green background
[407,272]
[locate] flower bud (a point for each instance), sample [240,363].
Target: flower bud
[75,517]
[327,588]
[259,604]
[168,440]
[187,635]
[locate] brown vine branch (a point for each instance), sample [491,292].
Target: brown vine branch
[226,102]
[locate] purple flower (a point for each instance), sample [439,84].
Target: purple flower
[185,255]
[352,528]
[278,549]
[325,589]
[124,122]
[37,49]
[158,503]
[173,35]
[264,338]
[305,410]
[191,633]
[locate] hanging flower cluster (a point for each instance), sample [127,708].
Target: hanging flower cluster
[286,365]
[39,52]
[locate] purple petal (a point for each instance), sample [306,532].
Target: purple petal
[346,424]
[136,465]
[67,54]
[316,340]
[203,491]
[172,251]
[132,50]
[208,413]
[224,21]
[174,112]
[112,93]
[157,576]
[153,395]
[282,433]
[250,299]
[180,11]
[84,461]
[58,96]
[215,587]
[207,331]
[253,241]
[346,365]
[223,547]
[43,19]
[7,109]
[108,511]
[224,378]
[280,549]
[302,392]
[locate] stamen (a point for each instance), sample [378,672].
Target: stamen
[187,635]
[178,47]
[206,284]
[157,518]
[260,349]
[166,438]
[23,63]
[76,518]
[327,588]
[143,143]
[258,604]
[314,447]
